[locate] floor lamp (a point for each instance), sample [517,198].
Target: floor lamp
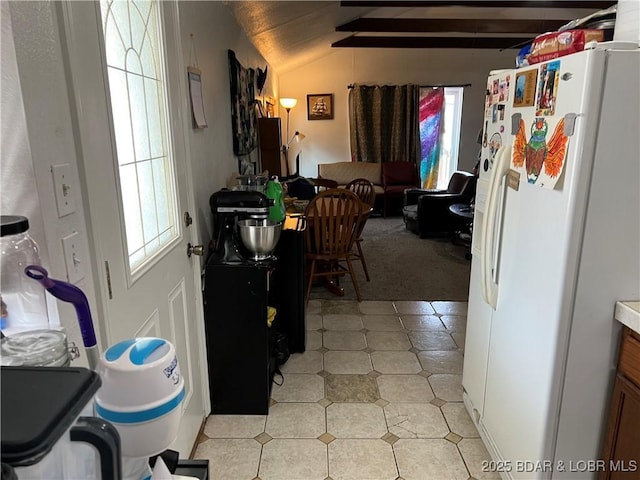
[288,104]
[297,136]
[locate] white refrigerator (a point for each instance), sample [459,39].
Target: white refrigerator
[556,243]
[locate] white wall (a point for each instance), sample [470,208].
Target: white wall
[19,190]
[215,31]
[328,140]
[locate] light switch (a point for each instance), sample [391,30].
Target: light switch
[62,188]
[73,257]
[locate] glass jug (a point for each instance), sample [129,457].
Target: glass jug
[24,306]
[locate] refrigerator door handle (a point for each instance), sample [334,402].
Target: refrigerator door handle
[497,248]
[486,253]
[488,256]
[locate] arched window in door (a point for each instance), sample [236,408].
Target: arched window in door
[134,48]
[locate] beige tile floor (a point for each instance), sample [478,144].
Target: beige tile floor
[376,396]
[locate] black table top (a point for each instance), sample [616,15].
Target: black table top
[461,210]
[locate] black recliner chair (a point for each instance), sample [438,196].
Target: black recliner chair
[426,212]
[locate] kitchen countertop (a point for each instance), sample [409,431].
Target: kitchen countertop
[628,313]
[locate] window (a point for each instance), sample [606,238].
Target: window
[440,118]
[133,38]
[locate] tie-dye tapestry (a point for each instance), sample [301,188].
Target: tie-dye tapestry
[431,110]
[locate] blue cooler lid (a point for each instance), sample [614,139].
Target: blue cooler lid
[39,404]
[142,350]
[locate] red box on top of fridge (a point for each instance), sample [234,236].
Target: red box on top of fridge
[558,44]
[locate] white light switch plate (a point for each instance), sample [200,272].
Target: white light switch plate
[73,258]
[62,188]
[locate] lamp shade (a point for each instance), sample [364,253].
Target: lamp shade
[288,103]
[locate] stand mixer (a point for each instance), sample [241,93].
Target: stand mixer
[228,208]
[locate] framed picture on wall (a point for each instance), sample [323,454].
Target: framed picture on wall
[320,106]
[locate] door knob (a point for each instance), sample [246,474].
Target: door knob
[195,250]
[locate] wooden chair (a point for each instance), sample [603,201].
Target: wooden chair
[367,195]
[364,189]
[333,217]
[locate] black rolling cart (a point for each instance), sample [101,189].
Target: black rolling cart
[238,347]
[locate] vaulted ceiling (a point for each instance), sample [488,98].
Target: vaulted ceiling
[291,33]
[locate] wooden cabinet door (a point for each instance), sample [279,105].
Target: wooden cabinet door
[269,138]
[622,444]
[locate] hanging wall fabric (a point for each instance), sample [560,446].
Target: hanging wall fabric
[243,116]
[431,108]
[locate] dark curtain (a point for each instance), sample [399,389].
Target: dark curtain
[384,123]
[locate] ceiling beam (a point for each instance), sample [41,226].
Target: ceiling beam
[594,4]
[494,43]
[450,25]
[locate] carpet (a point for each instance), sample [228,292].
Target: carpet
[402,266]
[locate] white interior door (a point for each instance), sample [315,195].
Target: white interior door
[128,82]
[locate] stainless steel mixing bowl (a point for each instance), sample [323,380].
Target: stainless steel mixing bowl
[260,237]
